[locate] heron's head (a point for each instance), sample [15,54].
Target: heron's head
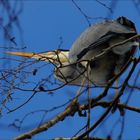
[126,22]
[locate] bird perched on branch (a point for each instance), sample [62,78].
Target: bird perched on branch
[93,55]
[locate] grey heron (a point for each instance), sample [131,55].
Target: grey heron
[78,63]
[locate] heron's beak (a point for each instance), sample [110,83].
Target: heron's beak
[55,57]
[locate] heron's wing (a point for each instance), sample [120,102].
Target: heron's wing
[99,43]
[98,37]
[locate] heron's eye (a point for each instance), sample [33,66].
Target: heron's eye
[124,21]
[121,20]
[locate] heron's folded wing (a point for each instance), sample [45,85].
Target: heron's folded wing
[101,42]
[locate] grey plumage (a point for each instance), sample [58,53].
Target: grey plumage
[91,43]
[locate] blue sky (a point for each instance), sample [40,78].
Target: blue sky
[45,25]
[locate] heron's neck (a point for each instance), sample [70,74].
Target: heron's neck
[61,57]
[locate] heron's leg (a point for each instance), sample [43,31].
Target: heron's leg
[117,85]
[80,89]
[74,105]
[116,94]
[89,106]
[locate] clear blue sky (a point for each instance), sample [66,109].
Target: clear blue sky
[43,23]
